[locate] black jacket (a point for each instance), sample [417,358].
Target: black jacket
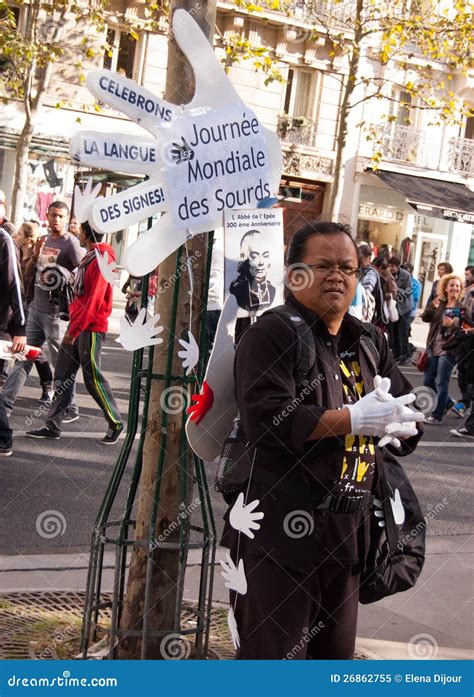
[12,313]
[278,421]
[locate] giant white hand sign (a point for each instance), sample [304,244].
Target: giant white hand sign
[213,154]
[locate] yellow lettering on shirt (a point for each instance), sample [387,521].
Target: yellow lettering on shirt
[362,469]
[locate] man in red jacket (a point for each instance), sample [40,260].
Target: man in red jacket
[88,323]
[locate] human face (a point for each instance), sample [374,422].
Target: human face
[327,294]
[57,219]
[442,271]
[393,268]
[453,289]
[74,227]
[29,241]
[468,278]
[258,256]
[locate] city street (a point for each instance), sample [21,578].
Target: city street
[70,477]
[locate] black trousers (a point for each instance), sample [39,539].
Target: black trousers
[84,353]
[290,615]
[5,430]
[398,336]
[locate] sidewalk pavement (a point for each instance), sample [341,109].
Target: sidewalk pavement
[438,609]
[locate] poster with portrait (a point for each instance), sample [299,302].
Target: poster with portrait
[254,259]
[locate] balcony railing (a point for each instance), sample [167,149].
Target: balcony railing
[331,12]
[413,146]
[461,155]
[403,144]
[296,129]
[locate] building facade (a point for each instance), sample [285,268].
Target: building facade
[303,109]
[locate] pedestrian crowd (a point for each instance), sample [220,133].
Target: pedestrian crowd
[53,293]
[389,296]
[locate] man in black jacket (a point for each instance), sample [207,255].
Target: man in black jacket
[399,332]
[12,314]
[295,580]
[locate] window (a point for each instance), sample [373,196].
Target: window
[296,125]
[402,110]
[122,48]
[300,93]
[469,128]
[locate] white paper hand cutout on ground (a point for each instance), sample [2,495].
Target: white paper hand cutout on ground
[190,354]
[397,510]
[84,200]
[234,575]
[139,334]
[107,268]
[234,632]
[213,154]
[242,518]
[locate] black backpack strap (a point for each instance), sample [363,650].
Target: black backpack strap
[368,344]
[305,348]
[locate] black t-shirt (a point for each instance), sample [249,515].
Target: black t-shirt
[344,536]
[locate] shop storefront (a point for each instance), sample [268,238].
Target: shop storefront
[423,221]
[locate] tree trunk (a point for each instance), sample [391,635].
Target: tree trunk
[345,110]
[21,171]
[162,565]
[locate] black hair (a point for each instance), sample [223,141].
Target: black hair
[447,266]
[59,204]
[469,268]
[408,266]
[380,261]
[365,250]
[90,233]
[297,246]
[395,261]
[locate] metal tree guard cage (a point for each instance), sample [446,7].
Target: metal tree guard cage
[118,534]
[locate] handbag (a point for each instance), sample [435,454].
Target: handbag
[397,548]
[392,310]
[422,360]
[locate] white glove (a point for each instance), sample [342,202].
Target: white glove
[371,414]
[397,430]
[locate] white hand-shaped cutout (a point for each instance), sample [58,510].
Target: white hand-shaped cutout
[234,632]
[107,268]
[213,154]
[190,354]
[234,575]
[84,200]
[242,517]
[397,509]
[139,334]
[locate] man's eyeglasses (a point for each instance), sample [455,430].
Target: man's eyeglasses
[325,269]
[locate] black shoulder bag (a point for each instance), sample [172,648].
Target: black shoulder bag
[397,551]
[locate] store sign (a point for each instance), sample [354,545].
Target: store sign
[212,155]
[382,213]
[459,216]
